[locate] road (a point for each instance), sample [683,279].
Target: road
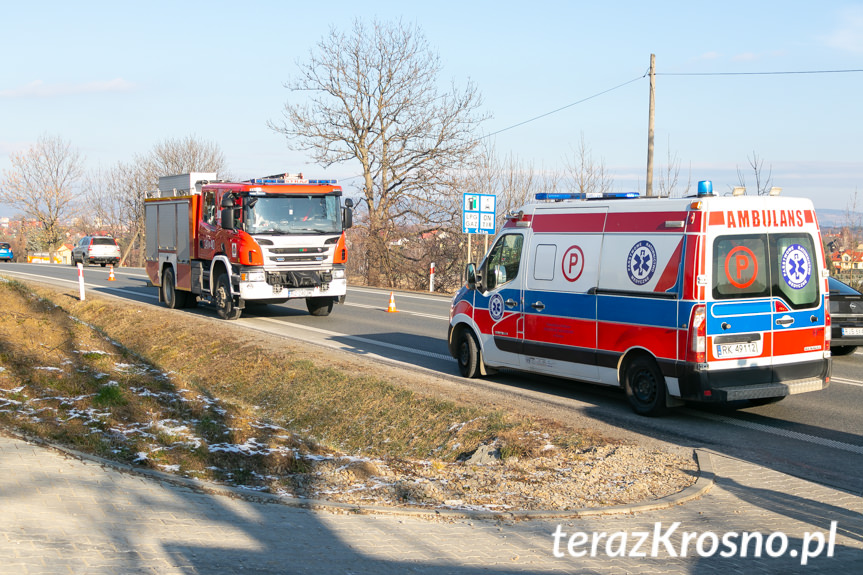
[815,436]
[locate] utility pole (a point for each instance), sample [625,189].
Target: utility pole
[650,124]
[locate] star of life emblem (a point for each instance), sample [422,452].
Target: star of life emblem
[641,263]
[796,266]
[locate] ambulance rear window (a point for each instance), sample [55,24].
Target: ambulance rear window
[795,269]
[765,265]
[740,267]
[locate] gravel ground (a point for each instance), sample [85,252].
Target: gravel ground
[610,475]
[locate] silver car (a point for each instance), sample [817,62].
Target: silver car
[96,250]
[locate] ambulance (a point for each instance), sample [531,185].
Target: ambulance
[703,299]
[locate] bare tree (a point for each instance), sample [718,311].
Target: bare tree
[669,183]
[373,98]
[586,174]
[42,183]
[762,180]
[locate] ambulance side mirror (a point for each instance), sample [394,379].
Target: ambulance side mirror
[470,276]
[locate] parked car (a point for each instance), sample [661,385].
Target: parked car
[846,317]
[5,252]
[96,250]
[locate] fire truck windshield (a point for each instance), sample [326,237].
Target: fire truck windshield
[283,214]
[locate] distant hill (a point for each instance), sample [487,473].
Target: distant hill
[837,218]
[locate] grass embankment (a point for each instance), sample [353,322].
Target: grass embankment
[142,384]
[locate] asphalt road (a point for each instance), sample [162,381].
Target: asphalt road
[816,436]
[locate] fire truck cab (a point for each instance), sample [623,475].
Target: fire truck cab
[710,299]
[265,240]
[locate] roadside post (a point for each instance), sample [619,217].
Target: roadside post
[81,280]
[431,278]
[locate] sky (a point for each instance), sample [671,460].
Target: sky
[116,78]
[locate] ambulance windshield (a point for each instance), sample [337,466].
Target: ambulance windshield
[283,214]
[765,265]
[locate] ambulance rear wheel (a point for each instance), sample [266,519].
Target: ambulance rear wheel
[172,298]
[223,299]
[468,354]
[645,387]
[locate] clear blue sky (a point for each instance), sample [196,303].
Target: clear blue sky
[114,78]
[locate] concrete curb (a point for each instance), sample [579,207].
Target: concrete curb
[706,477]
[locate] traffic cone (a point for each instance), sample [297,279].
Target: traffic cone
[392,307]
[111,277]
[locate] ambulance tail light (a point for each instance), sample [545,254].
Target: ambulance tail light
[698,334]
[828,324]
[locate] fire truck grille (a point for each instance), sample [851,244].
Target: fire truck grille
[296,255]
[298,279]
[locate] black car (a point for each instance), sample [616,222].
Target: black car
[846,317]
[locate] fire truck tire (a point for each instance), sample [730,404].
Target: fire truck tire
[645,386]
[173,299]
[223,299]
[468,354]
[319,306]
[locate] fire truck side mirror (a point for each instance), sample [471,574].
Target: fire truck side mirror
[347,215]
[228,218]
[228,207]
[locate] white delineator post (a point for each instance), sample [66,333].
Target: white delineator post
[81,279]
[431,280]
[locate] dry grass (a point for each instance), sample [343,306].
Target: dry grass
[169,390]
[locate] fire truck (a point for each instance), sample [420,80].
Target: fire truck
[264,240]
[703,299]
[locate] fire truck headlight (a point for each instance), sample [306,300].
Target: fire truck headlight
[253,276]
[338,274]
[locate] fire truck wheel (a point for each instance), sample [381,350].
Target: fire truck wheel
[645,387]
[172,298]
[468,354]
[224,302]
[319,306]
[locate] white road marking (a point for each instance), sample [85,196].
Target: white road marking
[858,449]
[334,334]
[383,308]
[124,291]
[846,381]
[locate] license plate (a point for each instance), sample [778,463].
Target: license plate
[731,350]
[304,292]
[852,331]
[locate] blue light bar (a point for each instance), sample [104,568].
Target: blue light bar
[324,182]
[558,196]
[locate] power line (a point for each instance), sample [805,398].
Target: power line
[564,107]
[758,73]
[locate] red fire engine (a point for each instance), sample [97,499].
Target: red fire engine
[264,240]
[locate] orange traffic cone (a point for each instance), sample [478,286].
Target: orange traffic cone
[111,277]
[392,307]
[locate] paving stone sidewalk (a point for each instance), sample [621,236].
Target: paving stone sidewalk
[64,515]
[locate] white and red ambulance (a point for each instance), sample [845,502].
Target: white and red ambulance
[707,298]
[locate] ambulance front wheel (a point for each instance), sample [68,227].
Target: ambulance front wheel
[468,354]
[645,386]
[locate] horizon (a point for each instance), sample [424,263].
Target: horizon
[114,80]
